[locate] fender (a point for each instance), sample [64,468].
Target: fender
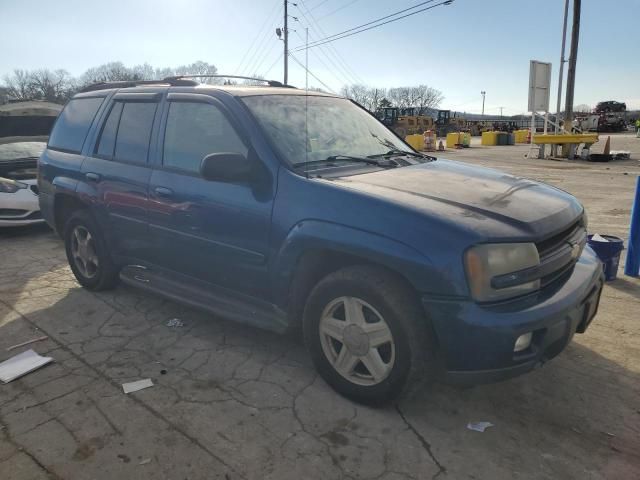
[309,235]
[62,184]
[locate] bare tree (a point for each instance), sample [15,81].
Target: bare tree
[400,97]
[200,68]
[18,85]
[58,85]
[368,97]
[108,72]
[143,72]
[53,86]
[425,97]
[582,108]
[421,97]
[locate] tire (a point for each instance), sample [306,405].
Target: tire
[383,300]
[99,272]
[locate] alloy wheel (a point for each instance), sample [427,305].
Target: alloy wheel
[84,252]
[357,341]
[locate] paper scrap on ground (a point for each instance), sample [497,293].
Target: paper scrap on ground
[479,426]
[137,385]
[598,238]
[144,461]
[39,339]
[175,323]
[22,364]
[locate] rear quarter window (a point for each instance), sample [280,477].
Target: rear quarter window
[73,124]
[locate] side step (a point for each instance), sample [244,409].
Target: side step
[220,302]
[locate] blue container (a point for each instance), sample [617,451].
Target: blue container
[608,253]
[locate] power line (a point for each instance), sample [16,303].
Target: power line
[345,73]
[261,48]
[338,9]
[344,34]
[273,65]
[310,72]
[381,18]
[263,58]
[260,31]
[319,4]
[346,68]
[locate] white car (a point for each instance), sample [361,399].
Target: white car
[18,183]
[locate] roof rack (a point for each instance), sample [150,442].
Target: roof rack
[178,82]
[271,83]
[174,81]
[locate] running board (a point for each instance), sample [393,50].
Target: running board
[192,292]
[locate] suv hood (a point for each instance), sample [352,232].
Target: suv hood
[473,196]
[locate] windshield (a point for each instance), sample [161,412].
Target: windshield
[334,127]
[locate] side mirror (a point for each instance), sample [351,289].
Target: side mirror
[225,167]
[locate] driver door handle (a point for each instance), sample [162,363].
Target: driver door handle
[94,177]
[163,191]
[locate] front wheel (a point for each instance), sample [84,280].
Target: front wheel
[366,334]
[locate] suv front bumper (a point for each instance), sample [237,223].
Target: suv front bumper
[476,342]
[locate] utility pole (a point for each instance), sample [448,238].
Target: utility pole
[286,43]
[571,74]
[483,93]
[554,148]
[500,111]
[562,62]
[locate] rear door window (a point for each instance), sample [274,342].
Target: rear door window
[73,124]
[107,142]
[134,131]
[193,131]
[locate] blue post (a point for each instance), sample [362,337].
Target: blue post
[632,265]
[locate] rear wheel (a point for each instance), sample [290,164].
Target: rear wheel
[87,253]
[366,334]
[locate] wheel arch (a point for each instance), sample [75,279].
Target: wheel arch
[315,249]
[63,207]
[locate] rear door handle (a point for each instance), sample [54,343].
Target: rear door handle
[94,177]
[163,191]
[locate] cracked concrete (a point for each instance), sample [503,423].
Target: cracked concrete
[232,402]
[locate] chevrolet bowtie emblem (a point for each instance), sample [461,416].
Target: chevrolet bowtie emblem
[575,250]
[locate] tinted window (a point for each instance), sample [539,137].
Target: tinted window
[74,123]
[195,130]
[107,140]
[134,131]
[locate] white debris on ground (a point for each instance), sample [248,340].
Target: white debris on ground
[175,323]
[21,364]
[479,426]
[137,385]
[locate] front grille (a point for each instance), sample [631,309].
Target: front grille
[560,252]
[551,244]
[12,212]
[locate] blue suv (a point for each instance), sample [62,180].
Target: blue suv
[285,208]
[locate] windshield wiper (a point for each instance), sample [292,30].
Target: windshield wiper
[385,163]
[397,153]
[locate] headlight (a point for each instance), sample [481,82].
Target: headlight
[493,270]
[11,186]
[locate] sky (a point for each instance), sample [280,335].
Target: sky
[461,49]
